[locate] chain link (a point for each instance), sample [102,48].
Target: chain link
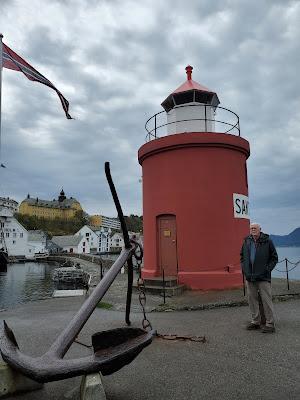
[199,339]
[142,297]
[138,255]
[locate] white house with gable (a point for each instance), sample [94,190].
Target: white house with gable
[72,243]
[13,235]
[91,237]
[104,235]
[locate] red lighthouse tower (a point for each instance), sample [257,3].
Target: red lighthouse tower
[195,190]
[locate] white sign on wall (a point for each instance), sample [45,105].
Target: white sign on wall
[240,206]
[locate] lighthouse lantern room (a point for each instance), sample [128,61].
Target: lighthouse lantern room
[191,107]
[195,191]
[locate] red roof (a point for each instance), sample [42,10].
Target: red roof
[190,85]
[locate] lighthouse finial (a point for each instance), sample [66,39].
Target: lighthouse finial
[189,70]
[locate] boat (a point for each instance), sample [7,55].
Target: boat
[3,260]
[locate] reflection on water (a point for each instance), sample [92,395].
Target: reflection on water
[26,282]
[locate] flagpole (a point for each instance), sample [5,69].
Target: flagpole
[1,66]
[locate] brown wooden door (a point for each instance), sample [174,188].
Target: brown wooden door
[167,244]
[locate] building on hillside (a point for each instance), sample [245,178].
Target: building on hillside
[62,208]
[38,240]
[105,222]
[13,235]
[99,238]
[72,243]
[9,203]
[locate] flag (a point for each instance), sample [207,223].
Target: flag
[12,60]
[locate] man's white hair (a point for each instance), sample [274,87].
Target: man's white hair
[255,223]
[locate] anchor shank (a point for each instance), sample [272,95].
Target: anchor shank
[66,338]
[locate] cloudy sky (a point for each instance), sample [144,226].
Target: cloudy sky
[115,61]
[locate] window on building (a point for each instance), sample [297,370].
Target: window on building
[83,244]
[14,242]
[21,234]
[87,234]
[14,234]
[7,234]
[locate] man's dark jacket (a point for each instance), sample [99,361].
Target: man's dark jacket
[265,259]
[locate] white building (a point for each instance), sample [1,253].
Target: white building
[72,243]
[98,238]
[91,237]
[117,242]
[9,203]
[13,235]
[104,240]
[37,239]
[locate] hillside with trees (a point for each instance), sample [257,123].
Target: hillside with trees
[134,223]
[53,227]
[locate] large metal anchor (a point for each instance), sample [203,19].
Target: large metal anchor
[112,349]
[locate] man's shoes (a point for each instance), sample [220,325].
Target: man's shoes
[268,329]
[252,327]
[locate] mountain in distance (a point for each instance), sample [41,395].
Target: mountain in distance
[290,240]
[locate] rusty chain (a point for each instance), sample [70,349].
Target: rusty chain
[199,339]
[142,300]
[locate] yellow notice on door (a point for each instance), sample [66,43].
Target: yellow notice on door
[167,233]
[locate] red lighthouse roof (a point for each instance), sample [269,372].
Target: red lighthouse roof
[189,84]
[190,91]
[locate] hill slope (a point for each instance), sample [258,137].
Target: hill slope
[292,239]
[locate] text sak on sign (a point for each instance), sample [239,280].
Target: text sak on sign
[240,206]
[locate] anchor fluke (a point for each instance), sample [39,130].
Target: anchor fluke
[9,334]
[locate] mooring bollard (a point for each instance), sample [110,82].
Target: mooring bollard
[287,274]
[12,382]
[92,388]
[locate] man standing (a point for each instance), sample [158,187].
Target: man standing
[258,259]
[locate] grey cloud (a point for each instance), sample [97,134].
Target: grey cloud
[247,52]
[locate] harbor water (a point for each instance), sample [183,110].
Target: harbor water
[31,281]
[23,282]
